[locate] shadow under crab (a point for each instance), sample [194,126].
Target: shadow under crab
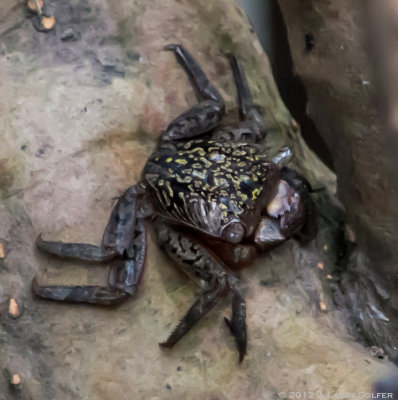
[216,200]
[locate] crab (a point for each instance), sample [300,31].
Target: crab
[216,200]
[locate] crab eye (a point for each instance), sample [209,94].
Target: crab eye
[233,233]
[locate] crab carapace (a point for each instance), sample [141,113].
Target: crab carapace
[216,199]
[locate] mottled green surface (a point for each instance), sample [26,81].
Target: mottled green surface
[78,120]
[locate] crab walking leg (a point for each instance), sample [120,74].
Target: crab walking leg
[205,115]
[80,294]
[205,90]
[126,273]
[247,109]
[124,278]
[244,95]
[136,254]
[116,238]
[237,324]
[124,239]
[199,119]
[122,222]
[81,251]
[211,275]
[202,306]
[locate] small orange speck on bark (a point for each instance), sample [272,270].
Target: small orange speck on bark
[2,253]
[48,22]
[320,265]
[322,306]
[32,4]
[15,380]
[13,308]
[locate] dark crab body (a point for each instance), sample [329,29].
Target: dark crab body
[216,199]
[210,184]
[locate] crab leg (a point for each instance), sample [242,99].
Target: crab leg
[116,237]
[121,224]
[204,116]
[202,306]
[244,95]
[126,273]
[124,278]
[80,294]
[212,276]
[124,237]
[237,324]
[205,90]
[81,251]
[247,109]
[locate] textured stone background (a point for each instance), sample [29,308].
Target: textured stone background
[78,118]
[338,72]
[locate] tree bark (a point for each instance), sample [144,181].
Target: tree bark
[81,110]
[330,49]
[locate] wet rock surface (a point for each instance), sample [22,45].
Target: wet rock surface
[330,43]
[78,120]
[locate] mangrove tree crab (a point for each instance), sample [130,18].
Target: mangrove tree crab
[215,198]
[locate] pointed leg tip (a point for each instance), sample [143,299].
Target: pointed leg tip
[35,286]
[171,47]
[229,324]
[40,242]
[165,345]
[39,239]
[231,58]
[240,338]
[241,356]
